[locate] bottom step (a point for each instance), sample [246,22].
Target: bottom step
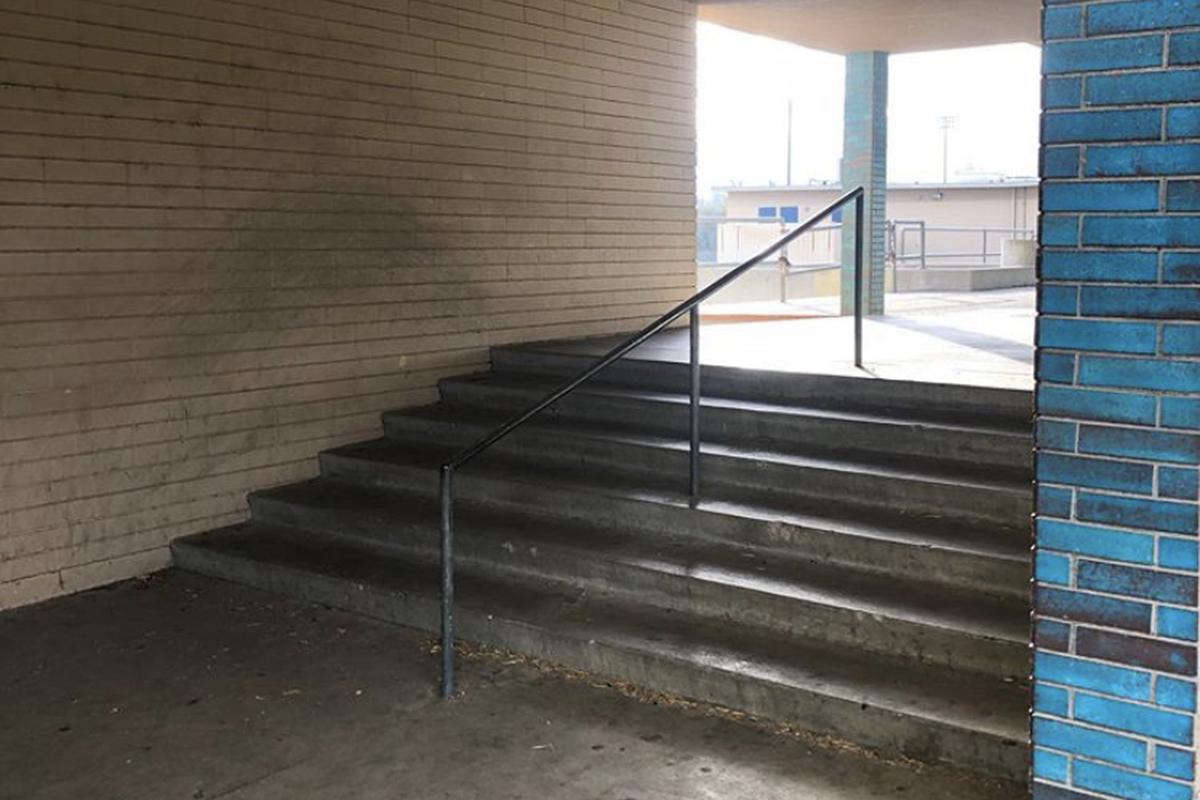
[929,714]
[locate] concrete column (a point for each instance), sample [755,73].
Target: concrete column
[864,163]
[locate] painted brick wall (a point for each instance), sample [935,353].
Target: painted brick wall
[232,232]
[1118,402]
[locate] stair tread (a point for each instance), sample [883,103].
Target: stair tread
[542,388]
[771,574]
[922,531]
[970,702]
[930,400]
[480,422]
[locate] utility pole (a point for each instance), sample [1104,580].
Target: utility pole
[946,123]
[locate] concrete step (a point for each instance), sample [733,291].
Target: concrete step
[1003,409]
[736,584]
[925,712]
[878,485]
[982,558]
[788,427]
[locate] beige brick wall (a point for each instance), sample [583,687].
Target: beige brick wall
[232,233]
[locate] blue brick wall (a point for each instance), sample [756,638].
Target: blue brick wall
[1118,398]
[864,163]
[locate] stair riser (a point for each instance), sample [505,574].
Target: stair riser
[976,573]
[682,593]
[874,727]
[786,432]
[910,398]
[912,495]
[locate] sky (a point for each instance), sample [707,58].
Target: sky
[745,82]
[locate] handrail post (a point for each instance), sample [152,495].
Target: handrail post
[446,492]
[694,411]
[859,208]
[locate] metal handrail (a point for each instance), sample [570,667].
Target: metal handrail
[446,487]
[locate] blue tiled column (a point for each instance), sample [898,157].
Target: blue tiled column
[1118,397]
[864,163]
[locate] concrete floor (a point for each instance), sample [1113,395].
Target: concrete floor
[972,338]
[184,687]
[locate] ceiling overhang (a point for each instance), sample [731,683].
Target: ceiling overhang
[893,26]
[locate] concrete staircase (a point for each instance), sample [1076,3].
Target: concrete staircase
[858,567]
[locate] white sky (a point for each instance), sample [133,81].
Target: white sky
[745,81]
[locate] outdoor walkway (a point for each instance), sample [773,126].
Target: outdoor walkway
[976,338]
[183,687]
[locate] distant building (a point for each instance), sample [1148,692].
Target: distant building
[940,236]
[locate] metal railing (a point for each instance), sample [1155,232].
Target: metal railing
[900,229]
[689,306]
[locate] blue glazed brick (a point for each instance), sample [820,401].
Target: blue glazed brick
[1142,160]
[1049,634]
[1060,162]
[1181,484]
[1135,373]
[1183,195]
[1175,763]
[1174,693]
[1051,766]
[1178,553]
[1047,791]
[1051,700]
[1142,15]
[1051,568]
[1090,608]
[1054,435]
[1101,126]
[1105,678]
[1054,502]
[1182,448]
[1062,23]
[1102,266]
[1181,340]
[1063,93]
[1128,785]
[1175,86]
[1059,299]
[1095,473]
[1177,623]
[1185,49]
[1174,302]
[1089,55]
[1100,745]
[1182,123]
[1136,651]
[1135,512]
[1088,540]
[1181,267]
[1060,230]
[1093,404]
[1143,231]
[1148,584]
[1101,196]
[1181,412]
[1132,718]
[1112,337]
[1056,368]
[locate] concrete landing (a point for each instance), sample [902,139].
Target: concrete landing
[182,686]
[968,338]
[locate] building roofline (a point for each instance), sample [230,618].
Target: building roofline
[1010,183]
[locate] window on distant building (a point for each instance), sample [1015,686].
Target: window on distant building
[767,212]
[790,214]
[836,217]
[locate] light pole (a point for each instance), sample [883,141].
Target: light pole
[946,123]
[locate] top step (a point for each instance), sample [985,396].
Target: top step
[1002,409]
